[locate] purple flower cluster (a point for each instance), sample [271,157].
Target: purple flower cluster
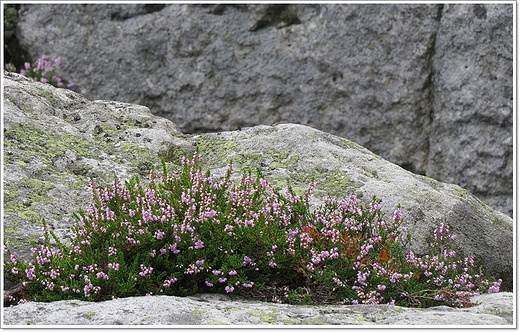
[43,71]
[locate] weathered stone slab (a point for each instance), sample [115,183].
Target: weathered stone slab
[211,309]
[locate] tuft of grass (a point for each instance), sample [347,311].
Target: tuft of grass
[186,232]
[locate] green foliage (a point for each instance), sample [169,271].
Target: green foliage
[13,53]
[186,232]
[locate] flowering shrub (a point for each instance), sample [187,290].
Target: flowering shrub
[43,71]
[186,232]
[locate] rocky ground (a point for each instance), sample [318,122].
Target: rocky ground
[206,309]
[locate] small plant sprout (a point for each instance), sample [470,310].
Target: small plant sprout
[187,232]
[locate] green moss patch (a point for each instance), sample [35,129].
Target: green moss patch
[264,317]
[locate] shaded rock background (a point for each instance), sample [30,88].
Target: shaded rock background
[55,139]
[428,87]
[213,309]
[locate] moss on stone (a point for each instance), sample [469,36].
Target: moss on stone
[282,160]
[315,321]
[431,182]
[215,323]
[47,94]
[41,144]
[334,183]
[266,317]
[198,311]
[489,312]
[29,215]
[351,144]
[215,150]
[172,155]
[476,203]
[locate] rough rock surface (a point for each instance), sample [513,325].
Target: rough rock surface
[211,309]
[54,139]
[471,133]
[426,86]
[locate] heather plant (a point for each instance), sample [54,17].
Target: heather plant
[44,70]
[186,232]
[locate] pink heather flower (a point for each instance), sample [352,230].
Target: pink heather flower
[102,275]
[272,264]
[210,213]
[496,287]
[112,251]
[381,287]
[199,262]
[159,235]
[71,85]
[30,273]
[199,244]
[27,65]
[397,215]
[247,261]
[209,284]
[54,274]
[114,266]
[229,289]
[228,228]
[145,270]
[185,198]
[232,272]
[57,61]
[14,270]
[222,280]
[168,283]
[43,80]
[395,277]
[173,248]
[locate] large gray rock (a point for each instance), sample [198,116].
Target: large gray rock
[207,309]
[471,136]
[54,139]
[426,86]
